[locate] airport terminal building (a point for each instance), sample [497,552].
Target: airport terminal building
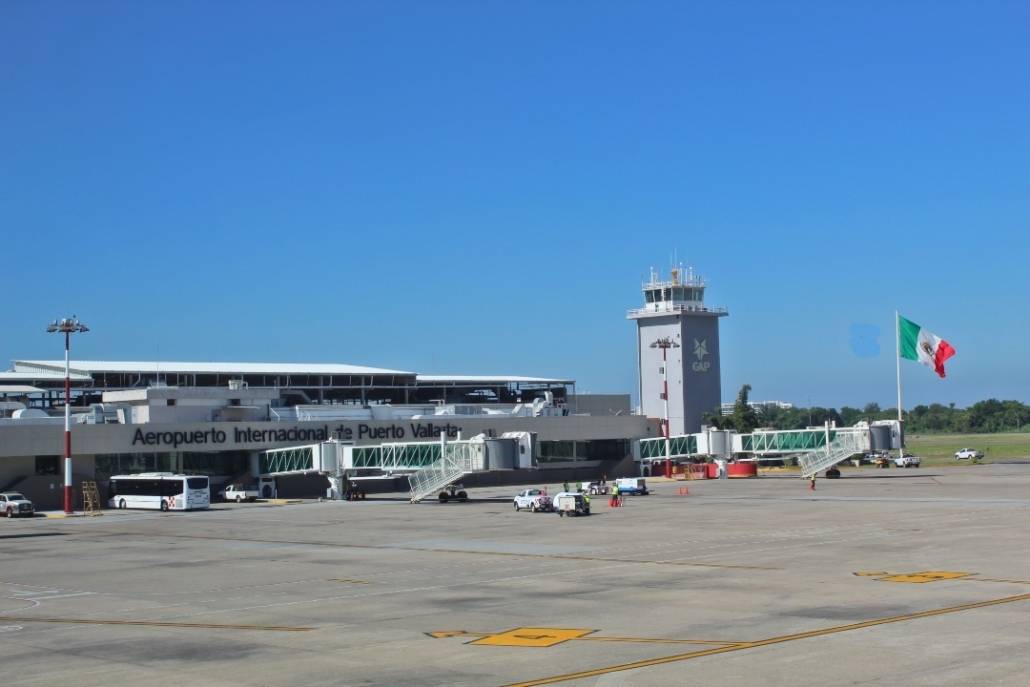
[216,419]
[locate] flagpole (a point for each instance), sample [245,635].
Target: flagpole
[897,362]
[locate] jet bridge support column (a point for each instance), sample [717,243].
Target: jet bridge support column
[336,486]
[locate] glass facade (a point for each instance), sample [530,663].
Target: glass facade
[683,445]
[287,460]
[575,451]
[396,455]
[190,463]
[782,442]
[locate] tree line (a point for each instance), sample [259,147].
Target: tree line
[986,416]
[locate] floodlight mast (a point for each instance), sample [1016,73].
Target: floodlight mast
[67,326]
[665,344]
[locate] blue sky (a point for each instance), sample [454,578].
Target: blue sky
[480,187]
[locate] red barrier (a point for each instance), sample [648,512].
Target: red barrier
[712,470]
[742,470]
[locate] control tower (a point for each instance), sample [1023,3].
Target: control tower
[675,320]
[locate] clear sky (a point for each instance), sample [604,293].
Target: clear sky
[480,187]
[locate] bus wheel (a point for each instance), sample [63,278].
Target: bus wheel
[164,506]
[121,504]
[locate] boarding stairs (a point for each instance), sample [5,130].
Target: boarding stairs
[456,460]
[91,498]
[843,445]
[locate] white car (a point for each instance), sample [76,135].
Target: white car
[534,500]
[908,461]
[968,453]
[13,503]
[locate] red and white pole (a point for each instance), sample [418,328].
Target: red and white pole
[665,395]
[68,491]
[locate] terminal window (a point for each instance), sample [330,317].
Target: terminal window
[48,465]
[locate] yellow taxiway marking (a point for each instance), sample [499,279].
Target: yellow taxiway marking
[344,580]
[925,576]
[915,577]
[659,640]
[155,623]
[674,658]
[993,579]
[587,637]
[533,636]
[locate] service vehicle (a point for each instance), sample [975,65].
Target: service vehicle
[597,488]
[882,460]
[908,461]
[13,504]
[968,454]
[159,491]
[455,492]
[571,503]
[632,485]
[534,500]
[240,493]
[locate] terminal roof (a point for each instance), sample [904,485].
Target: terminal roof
[488,379]
[40,375]
[20,389]
[90,367]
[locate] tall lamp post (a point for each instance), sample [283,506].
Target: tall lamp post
[67,326]
[665,344]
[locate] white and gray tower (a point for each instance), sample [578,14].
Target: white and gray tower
[675,310]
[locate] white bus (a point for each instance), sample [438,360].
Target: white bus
[159,490]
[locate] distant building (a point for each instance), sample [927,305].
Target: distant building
[727,408]
[674,309]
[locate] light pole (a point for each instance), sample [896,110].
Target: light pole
[665,344]
[67,326]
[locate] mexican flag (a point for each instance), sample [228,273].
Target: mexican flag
[916,343]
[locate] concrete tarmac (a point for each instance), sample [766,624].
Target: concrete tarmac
[912,577]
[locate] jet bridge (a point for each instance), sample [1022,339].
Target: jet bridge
[816,448]
[426,463]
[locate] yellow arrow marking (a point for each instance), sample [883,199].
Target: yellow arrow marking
[533,636]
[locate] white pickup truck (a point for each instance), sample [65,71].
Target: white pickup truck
[534,500]
[908,461]
[13,504]
[240,493]
[968,454]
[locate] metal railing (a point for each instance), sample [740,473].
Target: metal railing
[653,308]
[841,447]
[456,460]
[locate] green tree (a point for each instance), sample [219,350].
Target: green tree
[745,419]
